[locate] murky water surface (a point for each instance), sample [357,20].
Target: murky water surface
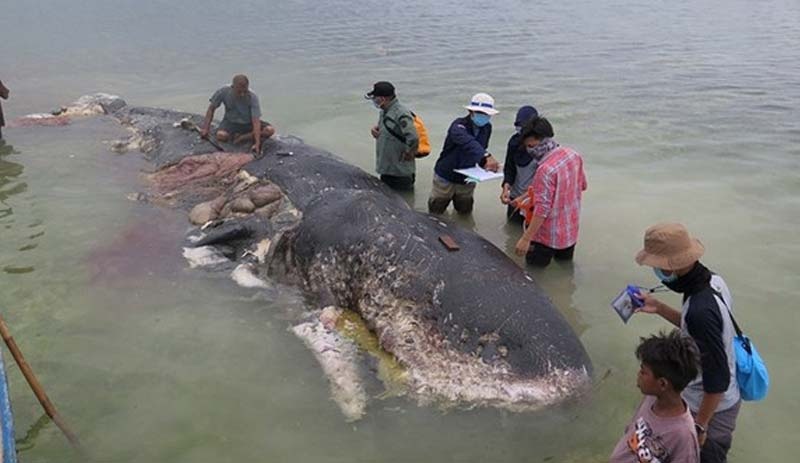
[683,110]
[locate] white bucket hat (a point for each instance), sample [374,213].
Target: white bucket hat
[482,103]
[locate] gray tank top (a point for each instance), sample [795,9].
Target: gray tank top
[523,179]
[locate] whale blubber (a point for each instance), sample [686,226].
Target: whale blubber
[390,372]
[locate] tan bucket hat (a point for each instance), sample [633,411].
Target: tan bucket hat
[669,246]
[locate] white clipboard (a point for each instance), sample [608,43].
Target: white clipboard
[478,174]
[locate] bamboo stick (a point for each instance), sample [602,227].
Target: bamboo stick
[37,388]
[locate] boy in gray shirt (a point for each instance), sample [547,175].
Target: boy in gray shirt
[662,429]
[242,121]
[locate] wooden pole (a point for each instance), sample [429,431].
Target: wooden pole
[38,390]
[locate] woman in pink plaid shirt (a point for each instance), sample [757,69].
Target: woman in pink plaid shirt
[553,202]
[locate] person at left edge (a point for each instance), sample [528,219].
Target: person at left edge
[396,139]
[466,145]
[242,120]
[4,95]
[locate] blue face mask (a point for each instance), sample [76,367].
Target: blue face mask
[480,119]
[517,129]
[376,103]
[665,278]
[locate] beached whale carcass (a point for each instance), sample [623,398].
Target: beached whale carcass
[468,327]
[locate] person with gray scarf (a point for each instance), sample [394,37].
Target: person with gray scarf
[552,204]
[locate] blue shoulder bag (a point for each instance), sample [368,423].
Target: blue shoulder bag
[751,371]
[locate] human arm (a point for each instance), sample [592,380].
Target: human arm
[584,184]
[207,121]
[376,129]
[705,325]
[256,135]
[4,91]
[505,194]
[489,163]
[540,198]
[509,169]
[214,102]
[255,117]
[654,306]
[708,406]
[471,150]
[524,243]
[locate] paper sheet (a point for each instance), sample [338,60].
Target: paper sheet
[478,174]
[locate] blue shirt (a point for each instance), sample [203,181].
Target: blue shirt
[464,147]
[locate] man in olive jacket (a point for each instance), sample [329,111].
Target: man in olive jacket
[396,138]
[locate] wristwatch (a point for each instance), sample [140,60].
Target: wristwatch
[699,428]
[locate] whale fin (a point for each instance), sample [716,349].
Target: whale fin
[338,358]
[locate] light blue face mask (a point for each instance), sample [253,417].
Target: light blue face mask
[517,129]
[376,104]
[663,277]
[480,119]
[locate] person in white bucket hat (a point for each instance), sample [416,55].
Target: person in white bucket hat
[482,103]
[466,145]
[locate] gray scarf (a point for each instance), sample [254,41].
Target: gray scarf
[544,147]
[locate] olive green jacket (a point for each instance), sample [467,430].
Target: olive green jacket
[393,156]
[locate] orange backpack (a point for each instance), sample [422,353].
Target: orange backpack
[424,147]
[422,132]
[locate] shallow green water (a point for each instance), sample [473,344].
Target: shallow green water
[679,117]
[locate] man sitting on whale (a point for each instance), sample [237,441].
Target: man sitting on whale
[242,121]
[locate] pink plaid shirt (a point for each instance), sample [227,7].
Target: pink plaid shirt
[556,191]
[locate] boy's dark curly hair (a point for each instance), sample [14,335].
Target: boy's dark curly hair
[672,356]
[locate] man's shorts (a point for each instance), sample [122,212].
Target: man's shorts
[234,129]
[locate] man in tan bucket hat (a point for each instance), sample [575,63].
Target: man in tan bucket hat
[668,246]
[713,397]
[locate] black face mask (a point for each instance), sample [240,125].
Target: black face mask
[696,279]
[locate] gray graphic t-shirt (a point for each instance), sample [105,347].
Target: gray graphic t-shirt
[650,438]
[238,110]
